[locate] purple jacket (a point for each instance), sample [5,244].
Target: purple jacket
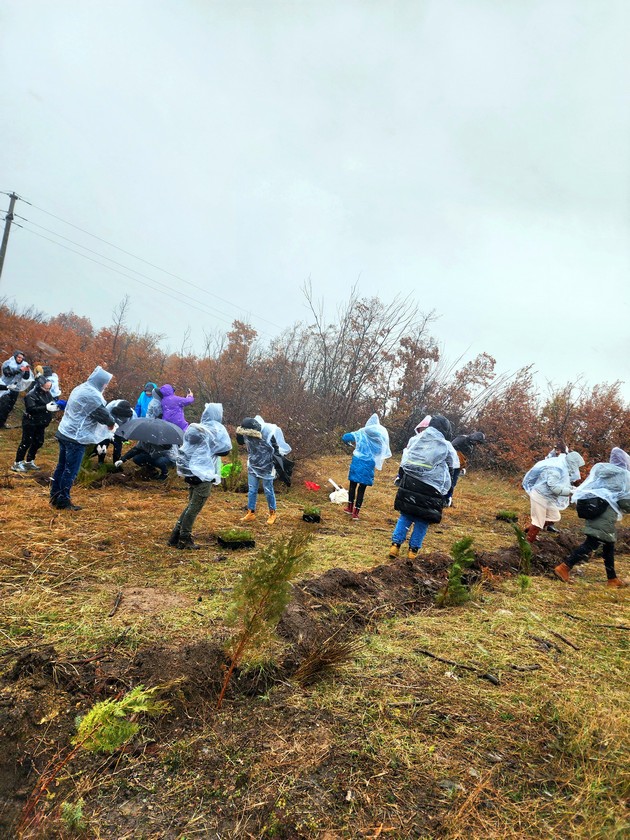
[173,406]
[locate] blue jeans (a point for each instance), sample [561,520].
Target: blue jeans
[418,534]
[252,494]
[70,457]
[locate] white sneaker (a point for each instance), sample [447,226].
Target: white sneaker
[31,465]
[18,466]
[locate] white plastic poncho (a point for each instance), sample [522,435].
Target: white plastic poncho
[619,457]
[198,454]
[154,408]
[371,443]
[55,387]
[212,419]
[551,479]
[12,373]
[76,422]
[608,482]
[269,430]
[427,457]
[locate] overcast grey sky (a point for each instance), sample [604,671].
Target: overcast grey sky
[472,153]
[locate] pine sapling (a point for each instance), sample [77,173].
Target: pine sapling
[261,595]
[456,592]
[524,550]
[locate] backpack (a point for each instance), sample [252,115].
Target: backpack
[591,507]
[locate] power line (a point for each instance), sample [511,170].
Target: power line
[146,262]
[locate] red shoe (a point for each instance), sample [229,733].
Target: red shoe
[355,513]
[348,509]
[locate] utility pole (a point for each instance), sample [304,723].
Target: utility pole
[7,229]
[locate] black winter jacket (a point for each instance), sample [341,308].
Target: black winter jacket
[35,411]
[417,499]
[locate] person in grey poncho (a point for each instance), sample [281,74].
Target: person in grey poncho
[549,486]
[262,440]
[199,464]
[15,377]
[608,486]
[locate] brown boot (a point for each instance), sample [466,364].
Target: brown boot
[394,550]
[563,572]
[617,583]
[272,517]
[249,516]
[348,509]
[532,533]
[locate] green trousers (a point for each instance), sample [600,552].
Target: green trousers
[197,497]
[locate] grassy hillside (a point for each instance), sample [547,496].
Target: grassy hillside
[528,740]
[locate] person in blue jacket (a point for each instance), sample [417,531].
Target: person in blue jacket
[144,399]
[371,448]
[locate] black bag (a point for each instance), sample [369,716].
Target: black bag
[284,467]
[591,507]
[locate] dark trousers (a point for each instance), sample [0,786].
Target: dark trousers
[588,547]
[68,466]
[7,400]
[358,491]
[161,462]
[116,454]
[456,473]
[197,497]
[32,440]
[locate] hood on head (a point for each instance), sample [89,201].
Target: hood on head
[100,378]
[423,424]
[478,437]
[620,458]
[443,425]
[212,412]
[167,390]
[148,388]
[195,434]
[157,393]
[574,460]
[17,353]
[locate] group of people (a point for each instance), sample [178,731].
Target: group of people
[429,469]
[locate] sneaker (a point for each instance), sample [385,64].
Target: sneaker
[394,550]
[348,509]
[355,513]
[31,465]
[563,572]
[67,507]
[551,529]
[272,517]
[617,583]
[249,516]
[18,466]
[412,553]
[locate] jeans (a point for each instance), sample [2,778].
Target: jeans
[70,457]
[197,497]
[252,494]
[161,462]
[588,546]
[418,534]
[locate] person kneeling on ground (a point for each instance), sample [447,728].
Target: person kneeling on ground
[601,501]
[157,455]
[199,463]
[39,409]
[548,485]
[371,448]
[424,479]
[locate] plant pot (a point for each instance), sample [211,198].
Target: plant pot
[233,545]
[311,517]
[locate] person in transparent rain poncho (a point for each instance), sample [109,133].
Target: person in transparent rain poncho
[424,479]
[611,483]
[262,440]
[549,485]
[86,420]
[199,464]
[371,449]
[15,377]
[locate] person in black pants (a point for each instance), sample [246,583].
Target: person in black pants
[39,408]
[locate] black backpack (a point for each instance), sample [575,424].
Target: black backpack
[591,507]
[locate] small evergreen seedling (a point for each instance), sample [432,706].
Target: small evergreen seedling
[456,592]
[524,550]
[107,725]
[312,513]
[507,516]
[261,595]
[72,816]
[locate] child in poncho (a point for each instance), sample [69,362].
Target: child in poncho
[371,449]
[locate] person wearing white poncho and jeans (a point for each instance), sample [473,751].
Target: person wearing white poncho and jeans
[548,485]
[608,485]
[262,441]
[199,464]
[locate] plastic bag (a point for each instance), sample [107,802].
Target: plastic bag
[339,496]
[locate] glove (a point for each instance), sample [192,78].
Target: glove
[101,449]
[52,406]
[216,480]
[118,464]
[462,471]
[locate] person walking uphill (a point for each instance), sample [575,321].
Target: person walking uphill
[424,479]
[199,464]
[39,409]
[548,485]
[173,406]
[260,441]
[16,376]
[86,420]
[371,449]
[601,500]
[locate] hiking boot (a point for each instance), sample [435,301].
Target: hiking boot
[31,465]
[249,516]
[394,550]
[617,583]
[355,513]
[532,533]
[18,466]
[174,538]
[563,572]
[551,528]
[348,509]
[187,544]
[272,517]
[412,553]
[67,507]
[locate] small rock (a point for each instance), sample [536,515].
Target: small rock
[449,784]
[495,758]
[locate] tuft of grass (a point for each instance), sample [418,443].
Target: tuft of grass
[507,516]
[235,535]
[322,659]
